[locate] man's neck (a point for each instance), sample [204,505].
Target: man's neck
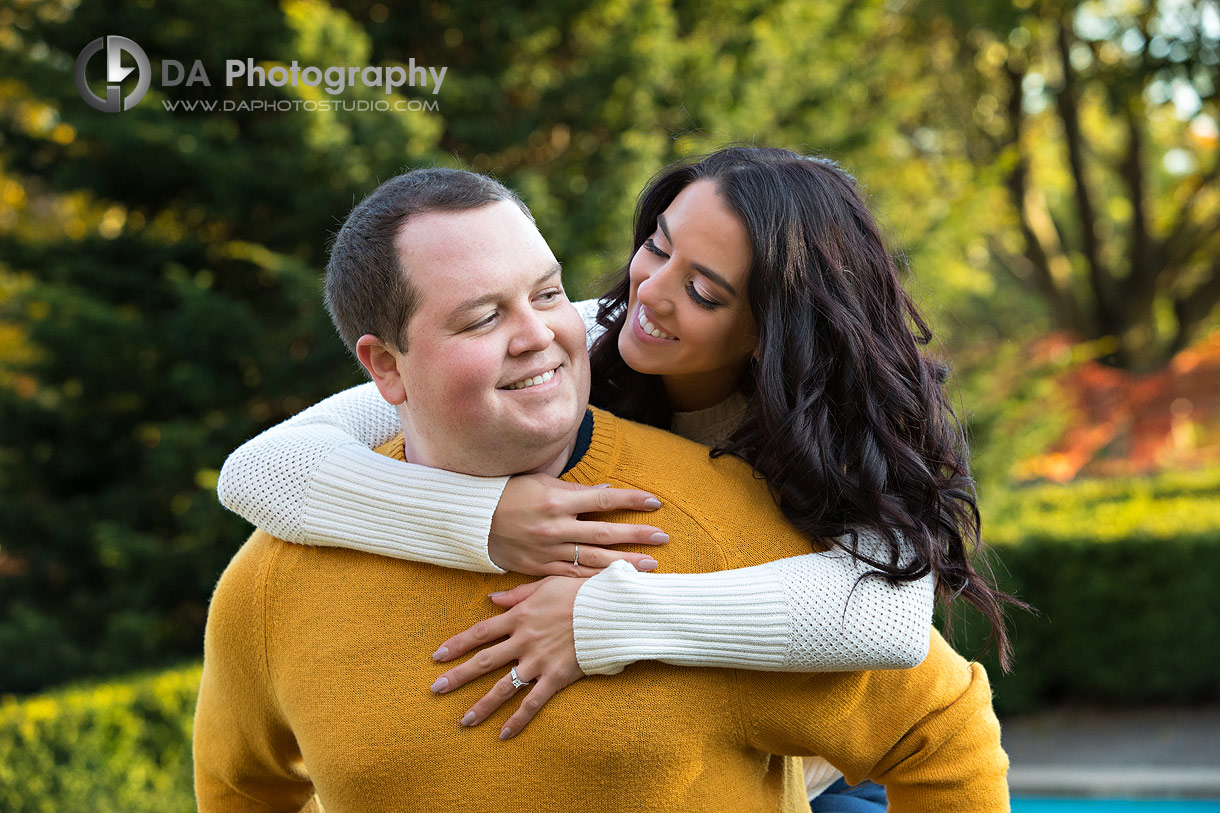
[557,466]
[572,449]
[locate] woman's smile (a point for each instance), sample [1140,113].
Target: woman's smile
[645,325]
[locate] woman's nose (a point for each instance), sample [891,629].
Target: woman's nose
[654,291]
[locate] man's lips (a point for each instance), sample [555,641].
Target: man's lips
[533,380]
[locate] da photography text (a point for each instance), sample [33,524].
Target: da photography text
[124,57]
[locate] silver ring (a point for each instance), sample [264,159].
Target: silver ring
[517,682]
[576,555]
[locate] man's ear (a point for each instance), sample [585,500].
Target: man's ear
[381,361]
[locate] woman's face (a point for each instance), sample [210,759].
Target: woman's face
[688,317]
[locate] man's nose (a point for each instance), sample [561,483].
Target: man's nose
[531,335]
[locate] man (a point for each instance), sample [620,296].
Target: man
[313,671]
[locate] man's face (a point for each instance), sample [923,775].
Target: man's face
[496,372]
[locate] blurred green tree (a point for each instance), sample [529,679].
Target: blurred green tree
[1099,119]
[577,104]
[159,283]
[161,303]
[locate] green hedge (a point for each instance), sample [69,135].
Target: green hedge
[121,746]
[1125,576]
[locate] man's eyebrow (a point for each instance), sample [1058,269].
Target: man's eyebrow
[488,298]
[557,268]
[702,269]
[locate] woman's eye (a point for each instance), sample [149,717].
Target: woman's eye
[652,248]
[700,300]
[550,295]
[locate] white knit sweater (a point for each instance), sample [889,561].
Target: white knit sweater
[313,479]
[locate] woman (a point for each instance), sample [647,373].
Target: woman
[761,315]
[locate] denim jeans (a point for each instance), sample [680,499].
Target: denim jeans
[866,797]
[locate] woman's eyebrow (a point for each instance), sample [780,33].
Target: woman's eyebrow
[702,269]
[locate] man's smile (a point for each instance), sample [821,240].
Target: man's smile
[532,380]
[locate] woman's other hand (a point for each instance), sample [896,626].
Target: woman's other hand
[536,528]
[539,642]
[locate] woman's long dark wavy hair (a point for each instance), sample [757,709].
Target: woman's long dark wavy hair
[847,420]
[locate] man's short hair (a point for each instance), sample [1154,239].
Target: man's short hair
[368,289]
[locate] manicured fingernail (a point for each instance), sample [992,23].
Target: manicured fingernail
[443,652]
[659,537]
[602,485]
[647,564]
[440,685]
[505,733]
[652,502]
[496,594]
[468,720]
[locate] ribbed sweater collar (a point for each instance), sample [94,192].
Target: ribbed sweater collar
[602,455]
[597,461]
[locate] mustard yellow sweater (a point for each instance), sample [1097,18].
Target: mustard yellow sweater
[317,667]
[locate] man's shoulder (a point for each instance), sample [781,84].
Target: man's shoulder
[393,448]
[723,496]
[640,442]
[237,611]
[246,573]
[265,561]
[655,455]
[267,572]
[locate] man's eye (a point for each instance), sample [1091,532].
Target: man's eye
[484,322]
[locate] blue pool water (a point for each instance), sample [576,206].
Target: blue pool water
[1113,806]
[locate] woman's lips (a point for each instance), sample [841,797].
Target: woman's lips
[646,328]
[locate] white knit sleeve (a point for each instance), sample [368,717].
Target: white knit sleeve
[803,614]
[314,479]
[587,308]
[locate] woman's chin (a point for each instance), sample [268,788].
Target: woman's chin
[640,359]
